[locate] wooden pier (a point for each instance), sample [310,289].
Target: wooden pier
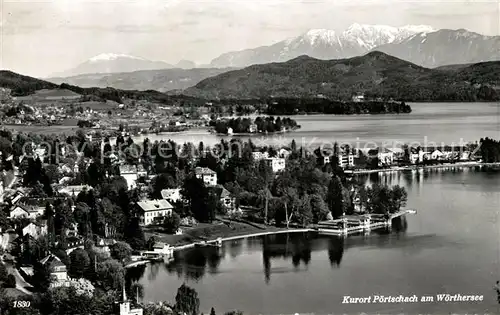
[350,224]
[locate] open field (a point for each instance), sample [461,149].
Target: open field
[58,130]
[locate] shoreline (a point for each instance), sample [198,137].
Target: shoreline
[412,168]
[224,239]
[237,237]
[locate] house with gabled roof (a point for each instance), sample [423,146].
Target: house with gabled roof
[35,229]
[58,271]
[225,197]
[153,209]
[23,211]
[208,176]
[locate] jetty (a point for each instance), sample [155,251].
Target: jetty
[215,243]
[350,224]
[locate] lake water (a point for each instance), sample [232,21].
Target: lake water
[450,246]
[432,122]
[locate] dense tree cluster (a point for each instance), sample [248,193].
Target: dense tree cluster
[490,150]
[261,124]
[291,106]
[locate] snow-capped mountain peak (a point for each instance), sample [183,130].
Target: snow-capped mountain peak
[321,43]
[322,35]
[111,56]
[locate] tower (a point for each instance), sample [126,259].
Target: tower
[124,305]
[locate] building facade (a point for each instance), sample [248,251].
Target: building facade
[208,176]
[152,209]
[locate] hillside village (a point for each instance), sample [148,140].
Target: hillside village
[80,208]
[101,206]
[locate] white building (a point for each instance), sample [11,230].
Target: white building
[257,155]
[385,157]
[171,195]
[276,164]
[74,190]
[21,211]
[35,230]
[151,209]
[162,248]
[208,176]
[284,153]
[358,98]
[58,269]
[125,307]
[346,160]
[131,173]
[414,158]
[437,155]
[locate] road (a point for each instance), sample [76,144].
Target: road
[21,284]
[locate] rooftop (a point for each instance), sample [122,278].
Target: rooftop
[168,193]
[154,205]
[204,171]
[52,261]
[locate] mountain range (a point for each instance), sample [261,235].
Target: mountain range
[159,80]
[419,44]
[374,74]
[356,40]
[445,47]
[114,63]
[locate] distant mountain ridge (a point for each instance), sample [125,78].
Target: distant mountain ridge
[419,44]
[115,63]
[376,74]
[160,80]
[445,47]
[356,40]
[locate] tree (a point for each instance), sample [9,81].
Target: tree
[10,282]
[3,273]
[121,251]
[212,311]
[171,223]
[334,197]
[52,173]
[110,274]
[151,242]
[304,213]
[186,300]
[79,262]
[319,208]
[134,234]
[41,277]
[81,215]
[196,193]
[399,198]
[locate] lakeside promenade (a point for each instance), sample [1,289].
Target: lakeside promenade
[421,167]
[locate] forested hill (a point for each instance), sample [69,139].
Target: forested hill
[21,85]
[375,74]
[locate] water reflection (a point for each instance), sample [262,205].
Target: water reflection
[335,251]
[296,248]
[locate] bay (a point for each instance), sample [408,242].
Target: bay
[450,246]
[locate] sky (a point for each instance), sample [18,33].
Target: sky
[39,38]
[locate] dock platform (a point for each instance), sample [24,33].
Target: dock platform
[350,224]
